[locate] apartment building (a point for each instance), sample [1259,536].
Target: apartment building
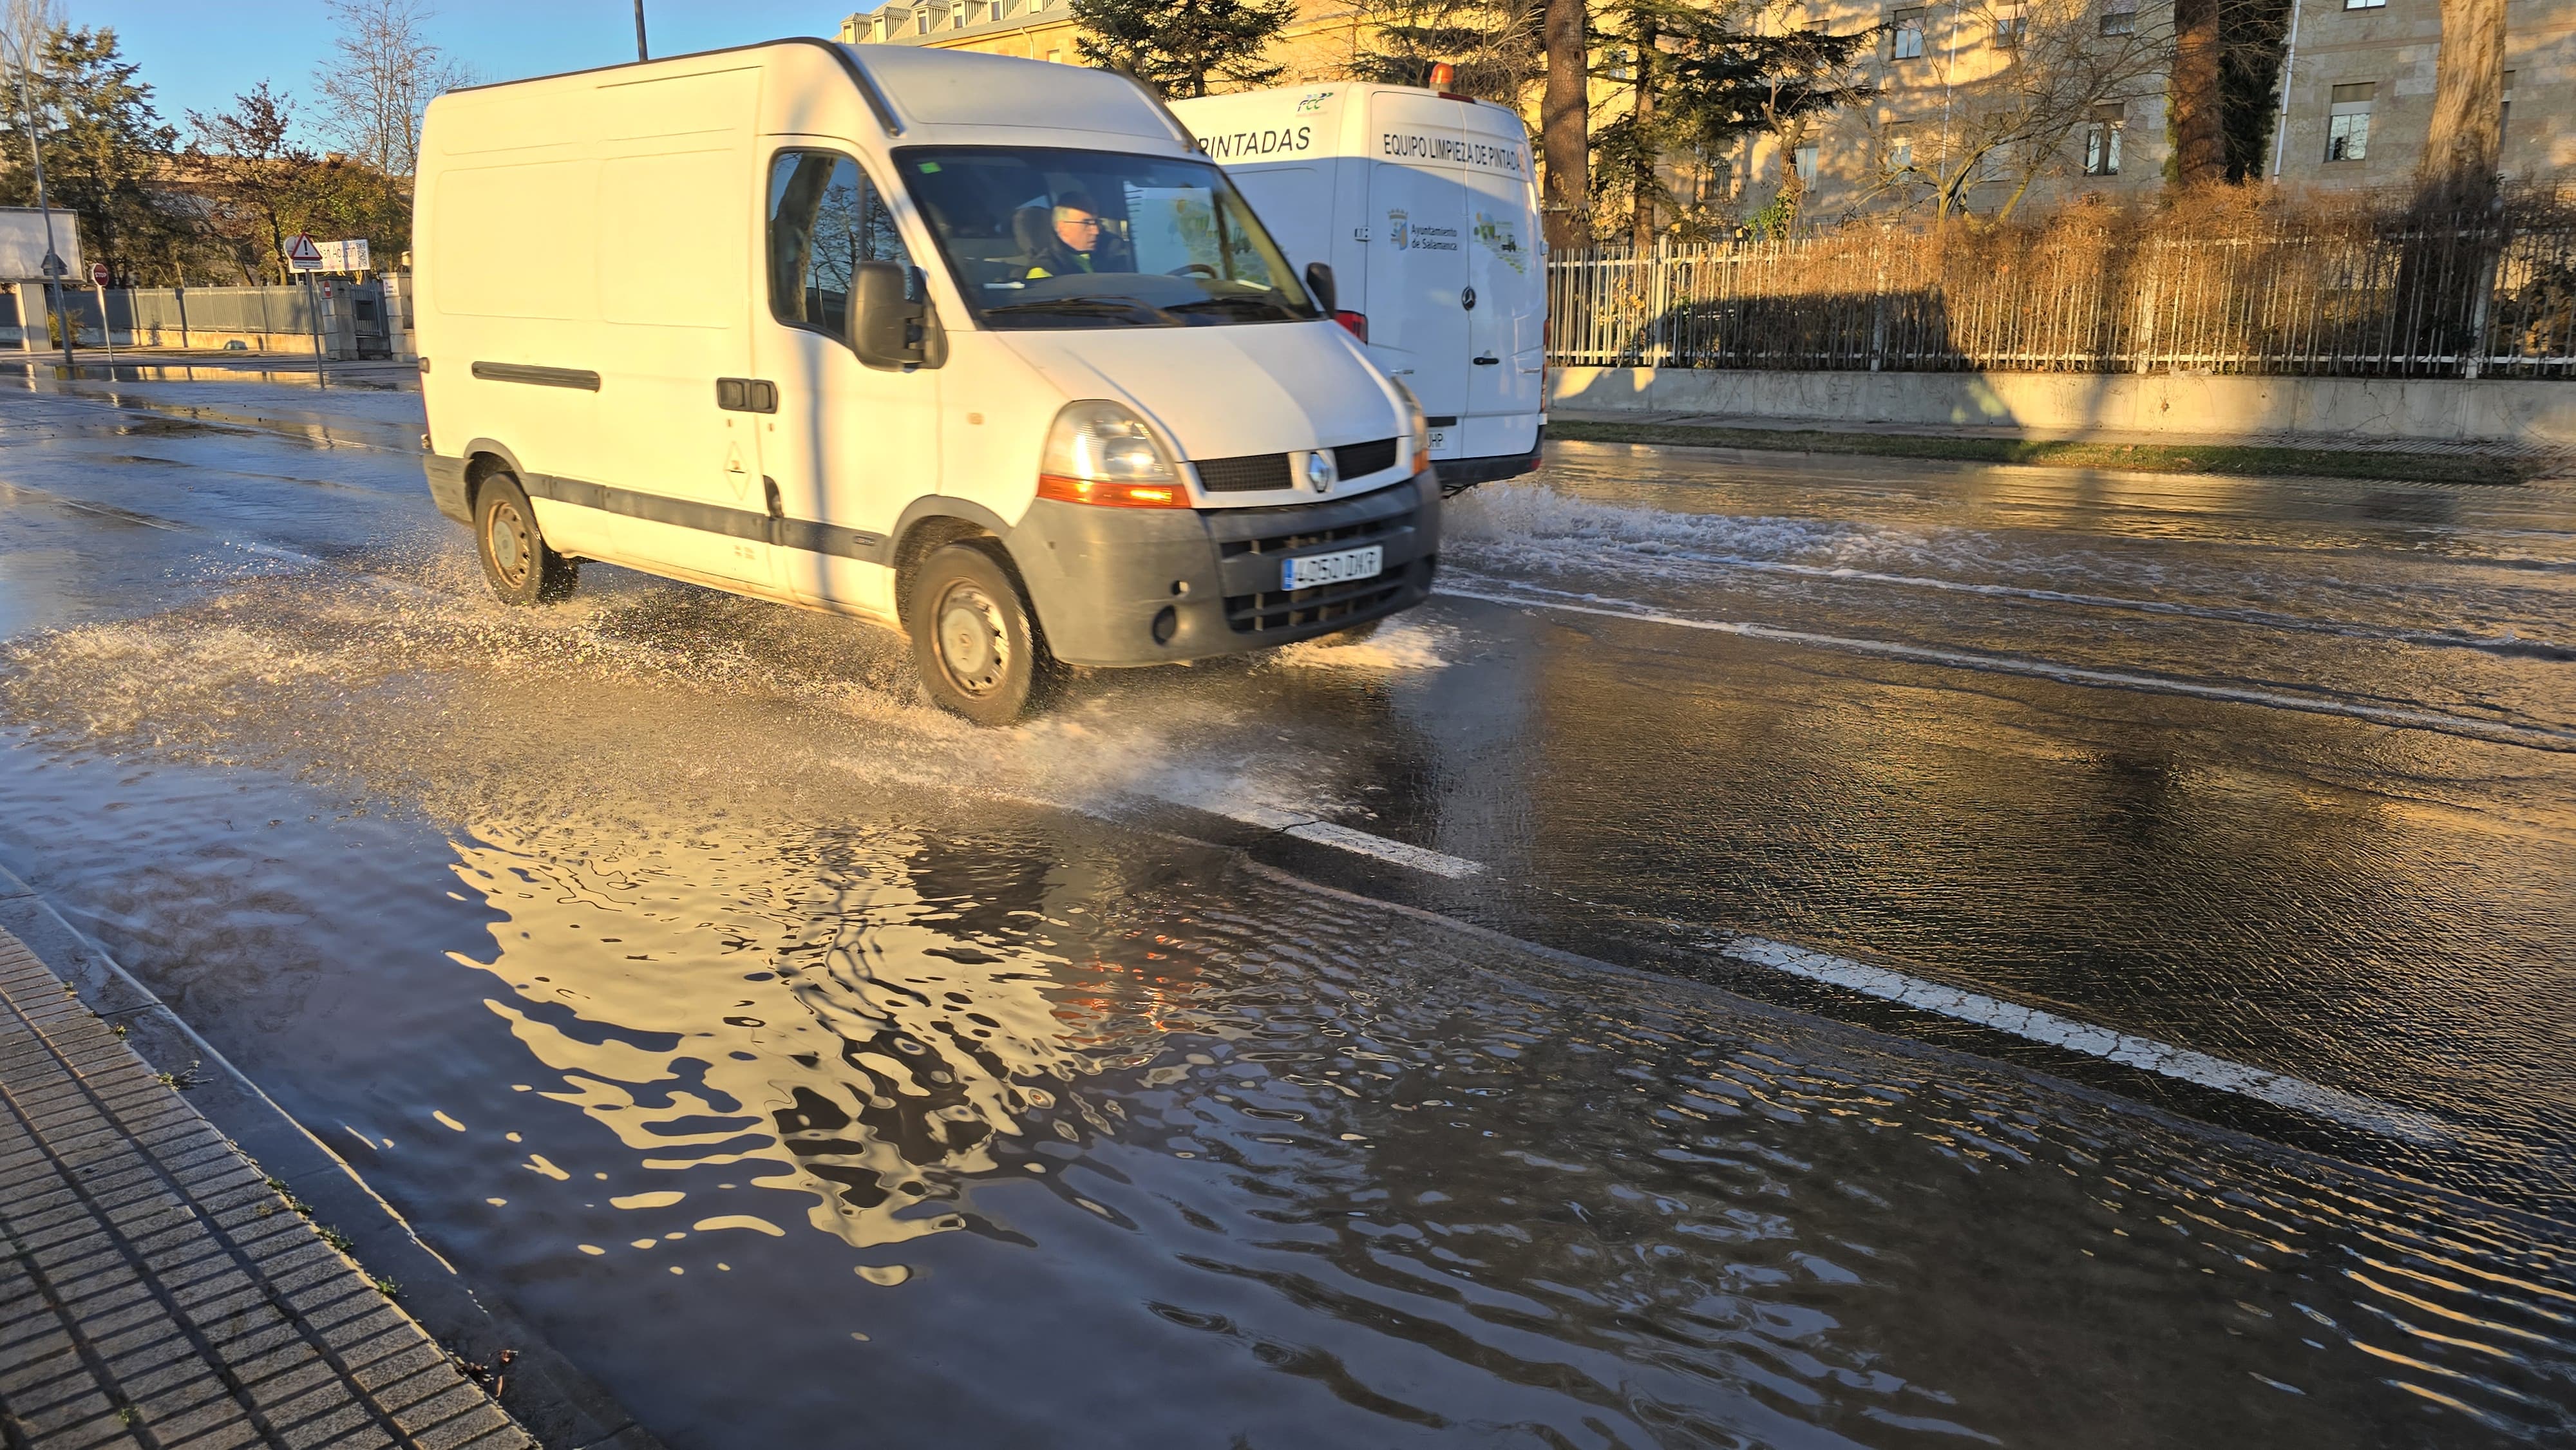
[2359,99]
[1994,104]
[1998,105]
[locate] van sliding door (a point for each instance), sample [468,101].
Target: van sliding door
[674,188]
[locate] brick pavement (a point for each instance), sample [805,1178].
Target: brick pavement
[158,1291]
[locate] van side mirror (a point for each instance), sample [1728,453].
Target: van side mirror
[1319,281]
[888,329]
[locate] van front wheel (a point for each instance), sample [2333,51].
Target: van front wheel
[518,563]
[973,638]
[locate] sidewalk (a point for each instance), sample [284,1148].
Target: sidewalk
[2256,454]
[157,1290]
[2111,437]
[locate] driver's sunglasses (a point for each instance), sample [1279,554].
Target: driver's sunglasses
[1092,222]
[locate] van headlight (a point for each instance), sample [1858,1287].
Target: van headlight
[1099,452]
[1417,424]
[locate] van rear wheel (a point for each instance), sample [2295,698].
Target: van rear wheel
[518,563]
[973,638]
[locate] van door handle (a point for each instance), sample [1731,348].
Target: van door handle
[747,395]
[1486,362]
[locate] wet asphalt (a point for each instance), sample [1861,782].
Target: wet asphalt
[817,1069]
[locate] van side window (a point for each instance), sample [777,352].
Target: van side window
[825,217]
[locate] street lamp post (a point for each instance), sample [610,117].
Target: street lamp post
[53,260]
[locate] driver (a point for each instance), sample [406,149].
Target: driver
[1082,241]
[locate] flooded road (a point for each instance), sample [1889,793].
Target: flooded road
[1447,1040]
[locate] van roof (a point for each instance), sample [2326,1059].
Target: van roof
[924,95]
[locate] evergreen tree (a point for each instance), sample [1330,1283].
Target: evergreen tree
[103,144]
[1700,82]
[1179,47]
[1494,46]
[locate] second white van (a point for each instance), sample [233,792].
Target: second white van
[1424,205]
[978,347]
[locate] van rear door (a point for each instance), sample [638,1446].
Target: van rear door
[1511,294]
[1418,277]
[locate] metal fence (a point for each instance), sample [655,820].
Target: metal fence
[254,310]
[2351,299]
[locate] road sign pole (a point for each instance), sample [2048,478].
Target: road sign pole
[106,324]
[313,314]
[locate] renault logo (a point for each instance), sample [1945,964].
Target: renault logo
[1319,471]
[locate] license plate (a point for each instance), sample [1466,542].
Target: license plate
[1339,568]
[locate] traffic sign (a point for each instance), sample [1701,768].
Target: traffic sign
[349,256]
[98,274]
[302,255]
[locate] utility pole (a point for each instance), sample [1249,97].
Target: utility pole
[640,52]
[53,259]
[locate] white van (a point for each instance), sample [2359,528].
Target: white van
[974,346]
[1425,206]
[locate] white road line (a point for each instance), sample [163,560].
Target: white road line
[2537,736]
[2349,629]
[1307,827]
[2035,1025]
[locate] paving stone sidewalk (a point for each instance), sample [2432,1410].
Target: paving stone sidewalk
[156,1289]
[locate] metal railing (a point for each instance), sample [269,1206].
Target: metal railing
[2283,299]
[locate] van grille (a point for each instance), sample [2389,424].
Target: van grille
[1293,608]
[1249,474]
[1275,609]
[1352,534]
[1359,460]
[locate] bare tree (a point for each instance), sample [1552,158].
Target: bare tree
[383,74]
[2060,101]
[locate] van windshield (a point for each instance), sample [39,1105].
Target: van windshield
[1040,237]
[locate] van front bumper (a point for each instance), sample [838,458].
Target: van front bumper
[1117,586]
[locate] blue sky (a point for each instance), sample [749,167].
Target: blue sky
[197,54]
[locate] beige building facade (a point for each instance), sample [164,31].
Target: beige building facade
[1982,106]
[2359,102]
[1317,45]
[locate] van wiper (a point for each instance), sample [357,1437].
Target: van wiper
[1086,307]
[1265,306]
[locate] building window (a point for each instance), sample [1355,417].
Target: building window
[1900,149]
[1713,183]
[2012,27]
[1909,34]
[1805,161]
[2102,140]
[2504,112]
[2348,122]
[2119,17]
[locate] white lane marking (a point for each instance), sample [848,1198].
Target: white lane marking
[2032,1024]
[2350,629]
[1328,834]
[1306,827]
[2545,737]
